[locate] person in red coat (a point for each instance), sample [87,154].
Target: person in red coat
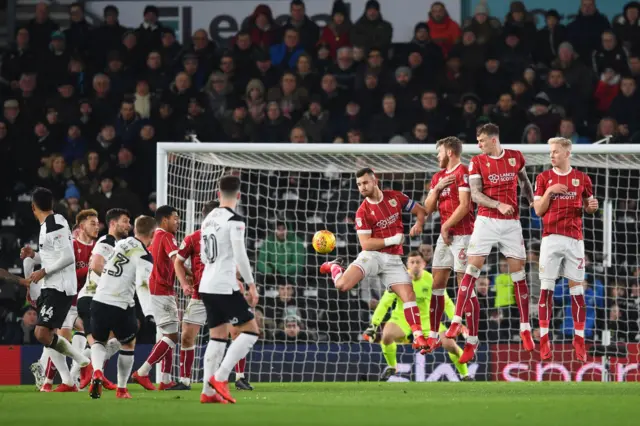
[444,31]
[336,33]
[261,26]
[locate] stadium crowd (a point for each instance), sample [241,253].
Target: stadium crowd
[84,107]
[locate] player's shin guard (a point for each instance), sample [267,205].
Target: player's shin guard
[125,365]
[157,353]
[545,305]
[462,369]
[212,358]
[436,308]
[412,315]
[578,309]
[240,366]
[521,292]
[465,290]
[60,362]
[390,352]
[187,355]
[98,356]
[239,349]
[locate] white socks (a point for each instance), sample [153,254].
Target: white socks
[125,365]
[212,358]
[112,347]
[60,362]
[239,348]
[98,356]
[62,345]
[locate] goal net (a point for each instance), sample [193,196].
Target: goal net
[312,332]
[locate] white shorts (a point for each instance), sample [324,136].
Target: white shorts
[561,256]
[165,313]
[388,267]
[453,256]
[195,313]
[71,318]
[505,233]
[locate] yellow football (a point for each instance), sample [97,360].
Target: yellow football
[324,241]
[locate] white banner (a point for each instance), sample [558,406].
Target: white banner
[223,18]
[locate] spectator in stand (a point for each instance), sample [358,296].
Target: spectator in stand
[542,115]
[495,80]
[634,66]
[531,135]
[419,134]
[549,38]
[485,27]
[444,31]
[337,32]
[515,55]
[505,300]
[427,253]
[562,297]
[344,70]
[627,26]
[275,127]
[291,98]
[298,135]
[609,55]
[608,128]
[170,49]
[282,253]
[562,96]
[434,114]
[79,31]
[454,80]
[285,55]
[20,58]
[387,124]
[576,74]
[585,30]
[511,119]
[607,89]
[149,33]
[265,71]
[22,331]
[40,29]
[308,30]
[261,27]
[243,51]
[471,54]
[568,130]
[625,107]
[307,77]
[108,36]
[371,30]
[520,20]
[469,117]
[107,145]
[292,331]
[431,53]
[315,121]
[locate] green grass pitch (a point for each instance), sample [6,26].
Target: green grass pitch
[351,404]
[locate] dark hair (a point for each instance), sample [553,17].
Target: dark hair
[42,198]
[209,206]
[452,143]
[84,215]
[415,253]
[229,184]
[164,212]
[365,171]
[488,129]
[145,225]
[76,4]
[116,214]
[297,3]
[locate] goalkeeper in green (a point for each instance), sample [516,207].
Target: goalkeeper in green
[397,330]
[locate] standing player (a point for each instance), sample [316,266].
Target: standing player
[397,331]
[163,298]
[113,307]
[59,284]
[494,187]
[561,194]
[223,252]
[119,224]
[381,234]
[451,195]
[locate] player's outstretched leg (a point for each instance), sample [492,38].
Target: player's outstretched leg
[579,315]
[545,313]
[521,292]
[465,290]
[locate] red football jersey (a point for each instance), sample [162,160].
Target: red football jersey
[163,247]
[449,199]
[564,216]
[499,180]
[384,219]
[82,253]
[190,248]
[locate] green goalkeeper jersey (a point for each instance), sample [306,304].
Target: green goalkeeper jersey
[422,288]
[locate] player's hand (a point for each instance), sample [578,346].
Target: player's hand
[558,188]
[37,276]
[592,205]
[25,252]
[416,229]
[24,282]
[187,290]
[444,183]
[370,333]
[505,209]
[252,295]
[444,231]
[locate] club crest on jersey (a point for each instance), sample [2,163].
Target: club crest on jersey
[575,182]
[512,162]
[393,203]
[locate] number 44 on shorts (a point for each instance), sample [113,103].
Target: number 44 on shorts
[46,313]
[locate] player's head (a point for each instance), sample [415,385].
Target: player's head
[367,182]
[118,222]
[168,218]
[41,201]
[87,221]
[559,151]
[209,206]
[415,262]
[143,228]
[488,136]
[449,148]
[229,188]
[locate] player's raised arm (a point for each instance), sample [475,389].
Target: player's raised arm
[431,203]
[61,244]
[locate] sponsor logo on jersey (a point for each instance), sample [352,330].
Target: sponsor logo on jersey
[445,192]
[385,223]
[575,182]
[393,203]
[512,162]
[502,177]
[571,195]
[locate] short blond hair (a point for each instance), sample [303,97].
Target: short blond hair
[563,142]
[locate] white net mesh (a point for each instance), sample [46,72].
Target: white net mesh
[309,191]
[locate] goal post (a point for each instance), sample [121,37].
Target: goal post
[308,187]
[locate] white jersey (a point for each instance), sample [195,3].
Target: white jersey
[128,268]
[55,255]
[222,251]
[104,247]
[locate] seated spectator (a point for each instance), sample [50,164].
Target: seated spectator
[181,91]
[514,55]
[485,27]
[576,74]
[531,135]
[608,128]
[20,58]
[262,28]
[627,26]
[519,21]
[87,174]
[149,33]
[238,78]
[444,31]
[40,28]
[610,55]
[625,107]
[307,29]
[315,121]
[75,146]
[128,122]
[468,117]
[344,70]
[435,115]
[471,53]
[22,331]
[219,93]
[285,55]
[388,124]
[108,35]
[453,81]
[333,100]
[274,128]
[170,50]
[291,99]
[495,80]
[542,115]
[549,38]
[369,98]
[430,52]
[371,30]
[511,119]
[563,96]
[282,254]
[238,126]
[243,51]
[71,205]
[55,175]
[298,135]
[419,134]
[308,78]
[336,33]
[522,93]
[292,331]
[196,72]
[568,130]
[585,30]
